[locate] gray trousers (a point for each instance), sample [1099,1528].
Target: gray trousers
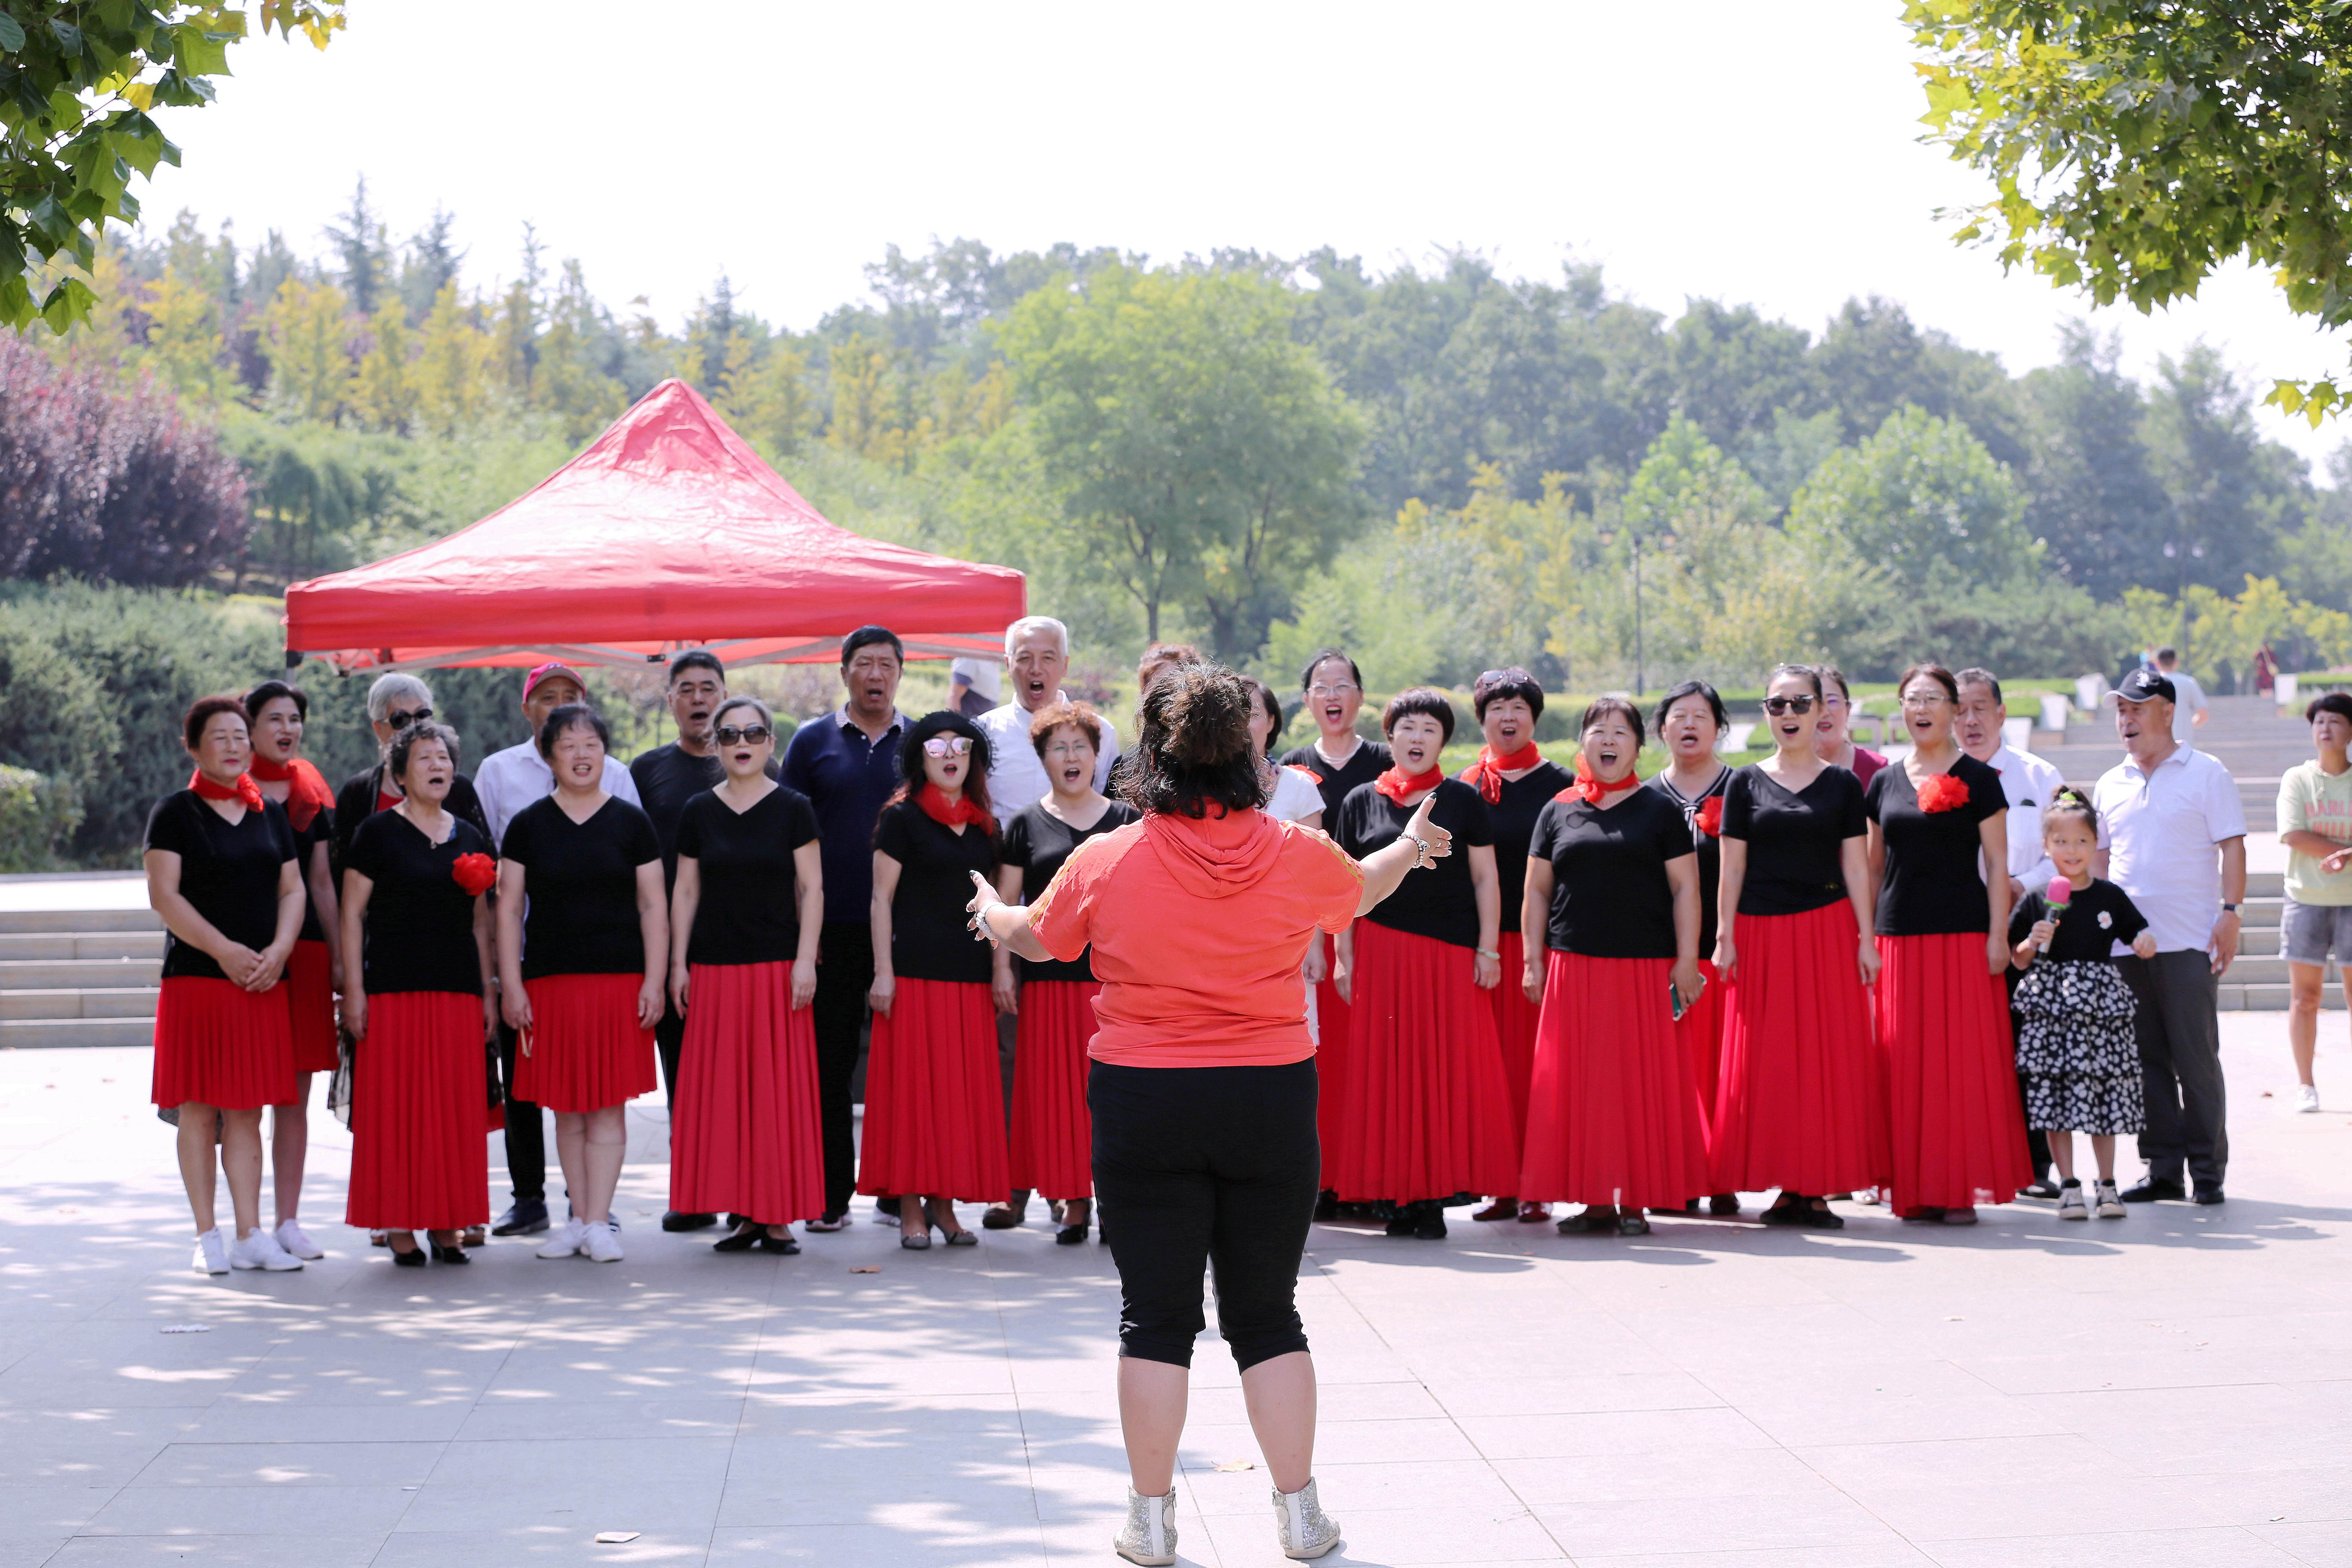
[2179,1042]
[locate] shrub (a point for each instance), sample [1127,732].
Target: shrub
[38,815]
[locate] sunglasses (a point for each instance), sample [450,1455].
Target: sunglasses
[402,720]
[730,735]
[946,745]
[1514,676]
[1777,706]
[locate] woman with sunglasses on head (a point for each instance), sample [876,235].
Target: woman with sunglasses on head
[415,936]
[1426,1111]
[393,702]
[1054,1002]
[1691,720]
[1942,1003]
[935,1130]
[315,971]
[1833,730]
[744,920]
[583,950]
[1799,1104]
[1515,782]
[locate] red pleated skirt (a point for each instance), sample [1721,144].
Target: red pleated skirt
[1798,1103]
[310,996]
[1052,1135]
[935,1096]
[1515,1019]
[419,1120]
[1700,1029]
[1959,1133]
[1427,1112]
[1331,1019]
[744,1137]
[586,1050]
[218,1044]
[1615,1116]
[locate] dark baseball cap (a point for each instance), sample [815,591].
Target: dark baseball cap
[2143,683]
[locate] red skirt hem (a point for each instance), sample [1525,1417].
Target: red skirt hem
[586,1050]
[1052,1133]
[310,1002]
[744,1132]
[1958,1131]
[935,1096]
[217,1044]
[420,1151]
[1331,1024]
[1615,1117]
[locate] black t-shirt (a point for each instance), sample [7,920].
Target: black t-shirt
[1931,886]
[1710,849]
[929,939]
[2100,915]
[420,923]
[747,911]
[358,799]
[580,886]
[1371,760]
[1609,896]
[1793,839]
[306,839]
[1038,843]
[1513,821]
[1437,900]
[667,778]
[228,872]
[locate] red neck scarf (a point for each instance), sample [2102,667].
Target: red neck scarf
[245,789]
[936,807]
[1396,784]
[306,793]
[1487,772]
[1588,786]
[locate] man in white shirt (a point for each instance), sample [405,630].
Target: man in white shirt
[1037,647]
[2190,708]
[2172,834]
[975,686]
[509,780]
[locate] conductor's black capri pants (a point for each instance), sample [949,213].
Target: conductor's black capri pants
[1214,1165]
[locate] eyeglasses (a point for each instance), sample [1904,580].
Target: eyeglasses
[1345,689]
[1068,748]
[1780,705]
[730,735]
[402,720]
[1930,698]
[946,745]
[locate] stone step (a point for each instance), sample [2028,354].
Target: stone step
[79,973]
[93,1002]
[72,943]
[41,1034]
[45,922]
[2267,997]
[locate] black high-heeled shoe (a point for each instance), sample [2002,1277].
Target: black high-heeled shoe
[412,1259]
[450,1254]
[742,1240]
[782,1245]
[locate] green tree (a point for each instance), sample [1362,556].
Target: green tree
[1924,500]
[308,338]
[2231,494]
[363,252]
[2092,491]
[1202,453]
[384,394]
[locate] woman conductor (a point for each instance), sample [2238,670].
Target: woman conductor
[1203,1084]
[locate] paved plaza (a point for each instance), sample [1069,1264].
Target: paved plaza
[2171,1388]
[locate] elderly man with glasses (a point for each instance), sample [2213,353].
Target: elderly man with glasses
[394,703]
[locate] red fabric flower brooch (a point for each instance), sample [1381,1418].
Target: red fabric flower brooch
[1710,816]
[1943,793]
[474,873]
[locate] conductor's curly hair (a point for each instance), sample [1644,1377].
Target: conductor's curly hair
[1194,747]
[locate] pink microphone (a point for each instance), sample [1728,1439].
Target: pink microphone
[2060,894]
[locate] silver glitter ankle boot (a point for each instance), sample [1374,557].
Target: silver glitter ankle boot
[1301,1526]
[1149,1536]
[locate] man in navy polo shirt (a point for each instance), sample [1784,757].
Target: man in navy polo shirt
[846,763]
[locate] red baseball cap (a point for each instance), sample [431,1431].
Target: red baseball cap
[552,667]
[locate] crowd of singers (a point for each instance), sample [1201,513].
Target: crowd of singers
[1634,997]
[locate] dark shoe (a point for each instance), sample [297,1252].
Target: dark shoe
[672,1220]
[1630,1223]
[1326,1205]
[826,1224]
[1966,1215]
[781,1246]
[1070,1236]
[1589,1221]
[888,1204]
[449,1254]
[1787,1210]
[1533,1213]
[1821,1218]
[2206,1196]
[2039,1187]
[2155,1189]
[1925,1214]
[527,1217]
[413,1258]
[1005,1216]
[1401,1222]
[959,1236]
[743,1240]
[1501,1208]
[1723,1204]
[1429,1225]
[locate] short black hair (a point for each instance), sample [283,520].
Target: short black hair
[269,691]
[204,710]
[1935,672]
[1602,708]
[865,636]
[1975,675]
[1512,682]
[1823,675]
[2328,702]
[1692,689]
[696,658]
[572,715]
[2167,652]
[1306,675]
[404,740]
[1812,673]
[1193,746]
[1271,703]
[1422,699]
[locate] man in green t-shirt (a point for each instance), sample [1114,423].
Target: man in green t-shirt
[2314,825]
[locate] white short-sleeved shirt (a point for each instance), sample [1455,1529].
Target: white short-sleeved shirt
[509,780]
[2163,831]
[1295,796]
[2028,783]
[985,676]
[1017,776]
[2188,702]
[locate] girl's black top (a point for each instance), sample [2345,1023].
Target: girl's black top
[419,932]
[1609,896]
[1512,819]
[1709,847]
[1931,886]
[1436,901]
[1038,842]
[747,911]
[581,885]
[229,871]
[929,937]
[1371,760]
[1794,838]
[2099,916]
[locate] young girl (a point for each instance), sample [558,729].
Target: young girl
[2074,1044]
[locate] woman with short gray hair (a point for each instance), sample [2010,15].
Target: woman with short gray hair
[396,700]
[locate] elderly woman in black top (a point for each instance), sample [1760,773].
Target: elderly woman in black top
[393,702]
[223,873]
[934,1092]
[1691,721]
[743,926]
[416,952]
[1943,939]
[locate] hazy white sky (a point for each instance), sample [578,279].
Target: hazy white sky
[1758,154]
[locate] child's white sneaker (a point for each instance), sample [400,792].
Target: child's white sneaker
[292,1236]
[2111,1204]
[566,1240]
[260,1250]
[212,1252]
[2306,1099]
[600,1242]
[2070,1200]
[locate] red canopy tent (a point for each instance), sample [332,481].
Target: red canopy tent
[668,533]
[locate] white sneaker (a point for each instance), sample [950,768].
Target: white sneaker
[290,1236]
[260,1250]
[2070,1200]
[2306,1099]
[1868,1197]
[212,1253]
[601,1242]
[566,1241]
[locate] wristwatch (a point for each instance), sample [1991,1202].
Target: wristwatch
[2228,909]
